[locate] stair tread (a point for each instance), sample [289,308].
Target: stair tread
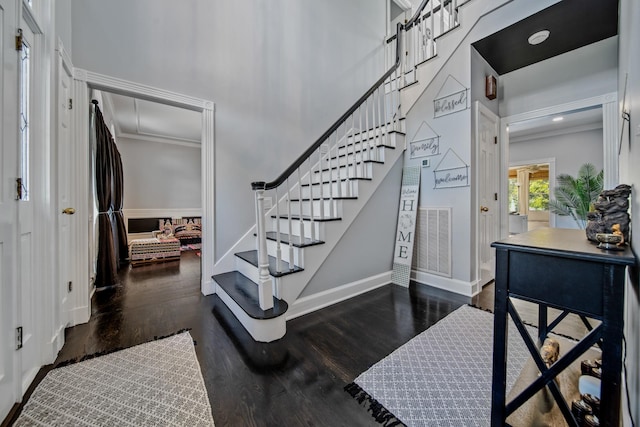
[356,178]
[284,238]
[252,258]
[350,165]
[327,198]
[245,293]
[308,218]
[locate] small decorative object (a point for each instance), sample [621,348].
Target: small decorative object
[609,241]
[580,409]
[550,351]
[611,209]
[490,87]
[592,401]
[591,420]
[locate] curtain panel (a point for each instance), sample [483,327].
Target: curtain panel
[106,193]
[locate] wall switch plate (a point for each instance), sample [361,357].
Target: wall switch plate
[426,163]
[638,130]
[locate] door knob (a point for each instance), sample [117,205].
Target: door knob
[68,211]
[484,209]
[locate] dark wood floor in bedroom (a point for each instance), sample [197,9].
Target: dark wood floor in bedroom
[296,381]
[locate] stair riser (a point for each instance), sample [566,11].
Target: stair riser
[295,225]
[344,185]
[320,207]
[369,144]
[373,153]
[252,273]
[362,170]
[285,253]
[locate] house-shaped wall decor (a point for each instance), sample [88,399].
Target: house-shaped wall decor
[452,97]
[426,142]
[451,172]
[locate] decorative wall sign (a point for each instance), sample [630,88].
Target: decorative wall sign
[426,142]
[451,172]
[452,97]
[405,232]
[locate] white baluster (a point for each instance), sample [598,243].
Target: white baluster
[433,32]
[330,174]
[289,225]
[300,204]
[320,173]
[278,247]
[353,144]
[313,228]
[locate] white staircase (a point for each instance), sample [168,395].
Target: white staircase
[317,198]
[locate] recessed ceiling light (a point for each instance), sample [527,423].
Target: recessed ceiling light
[557,119]
[539,37]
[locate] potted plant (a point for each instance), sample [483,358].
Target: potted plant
[575,196]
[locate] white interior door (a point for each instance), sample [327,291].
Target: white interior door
[9,384]
[29,291]
[66,203]
[488,190]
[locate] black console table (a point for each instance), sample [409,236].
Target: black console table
[560,268]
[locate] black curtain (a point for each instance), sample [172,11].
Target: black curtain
[107,263]
[117,196]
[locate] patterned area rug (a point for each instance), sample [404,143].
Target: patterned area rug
[154,384]
[442,377]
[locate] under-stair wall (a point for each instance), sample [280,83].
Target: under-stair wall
[362,259]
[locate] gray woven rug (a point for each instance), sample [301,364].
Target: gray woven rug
[154,384]
[442,377]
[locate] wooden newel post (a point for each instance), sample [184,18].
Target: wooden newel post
[265,287]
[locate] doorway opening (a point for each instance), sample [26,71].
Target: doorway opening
[528,196]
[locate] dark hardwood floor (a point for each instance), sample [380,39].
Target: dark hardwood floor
[296,381]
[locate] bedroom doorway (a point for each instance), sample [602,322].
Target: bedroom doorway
[84,84]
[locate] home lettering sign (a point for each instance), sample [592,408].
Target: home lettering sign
[406,228]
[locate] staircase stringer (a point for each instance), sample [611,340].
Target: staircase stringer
[291,286]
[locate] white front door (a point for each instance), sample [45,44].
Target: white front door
[488,189]
[9,380]
[31,168]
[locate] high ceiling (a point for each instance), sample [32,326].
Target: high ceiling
[558,124]
[571,23]
[139,119]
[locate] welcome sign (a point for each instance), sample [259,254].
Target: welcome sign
[405,231]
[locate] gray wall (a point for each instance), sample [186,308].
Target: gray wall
[368,244]
[570,151]
[629,70]
[159,175]
[280,72]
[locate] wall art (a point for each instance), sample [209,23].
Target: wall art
[451,172]
[452,97]
[426,142]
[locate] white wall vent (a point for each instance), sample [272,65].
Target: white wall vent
[432,251]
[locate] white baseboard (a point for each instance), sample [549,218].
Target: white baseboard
[311,303]
[55,345]
[468,289]
[208,287]
[79,315]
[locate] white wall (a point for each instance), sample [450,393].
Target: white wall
[578,74]
[629,66]
[63,22]
[159,175]
[570,150]
[279,72]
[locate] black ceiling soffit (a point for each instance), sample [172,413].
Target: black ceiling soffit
[572,24]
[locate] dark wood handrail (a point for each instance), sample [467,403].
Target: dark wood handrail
[262,185]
